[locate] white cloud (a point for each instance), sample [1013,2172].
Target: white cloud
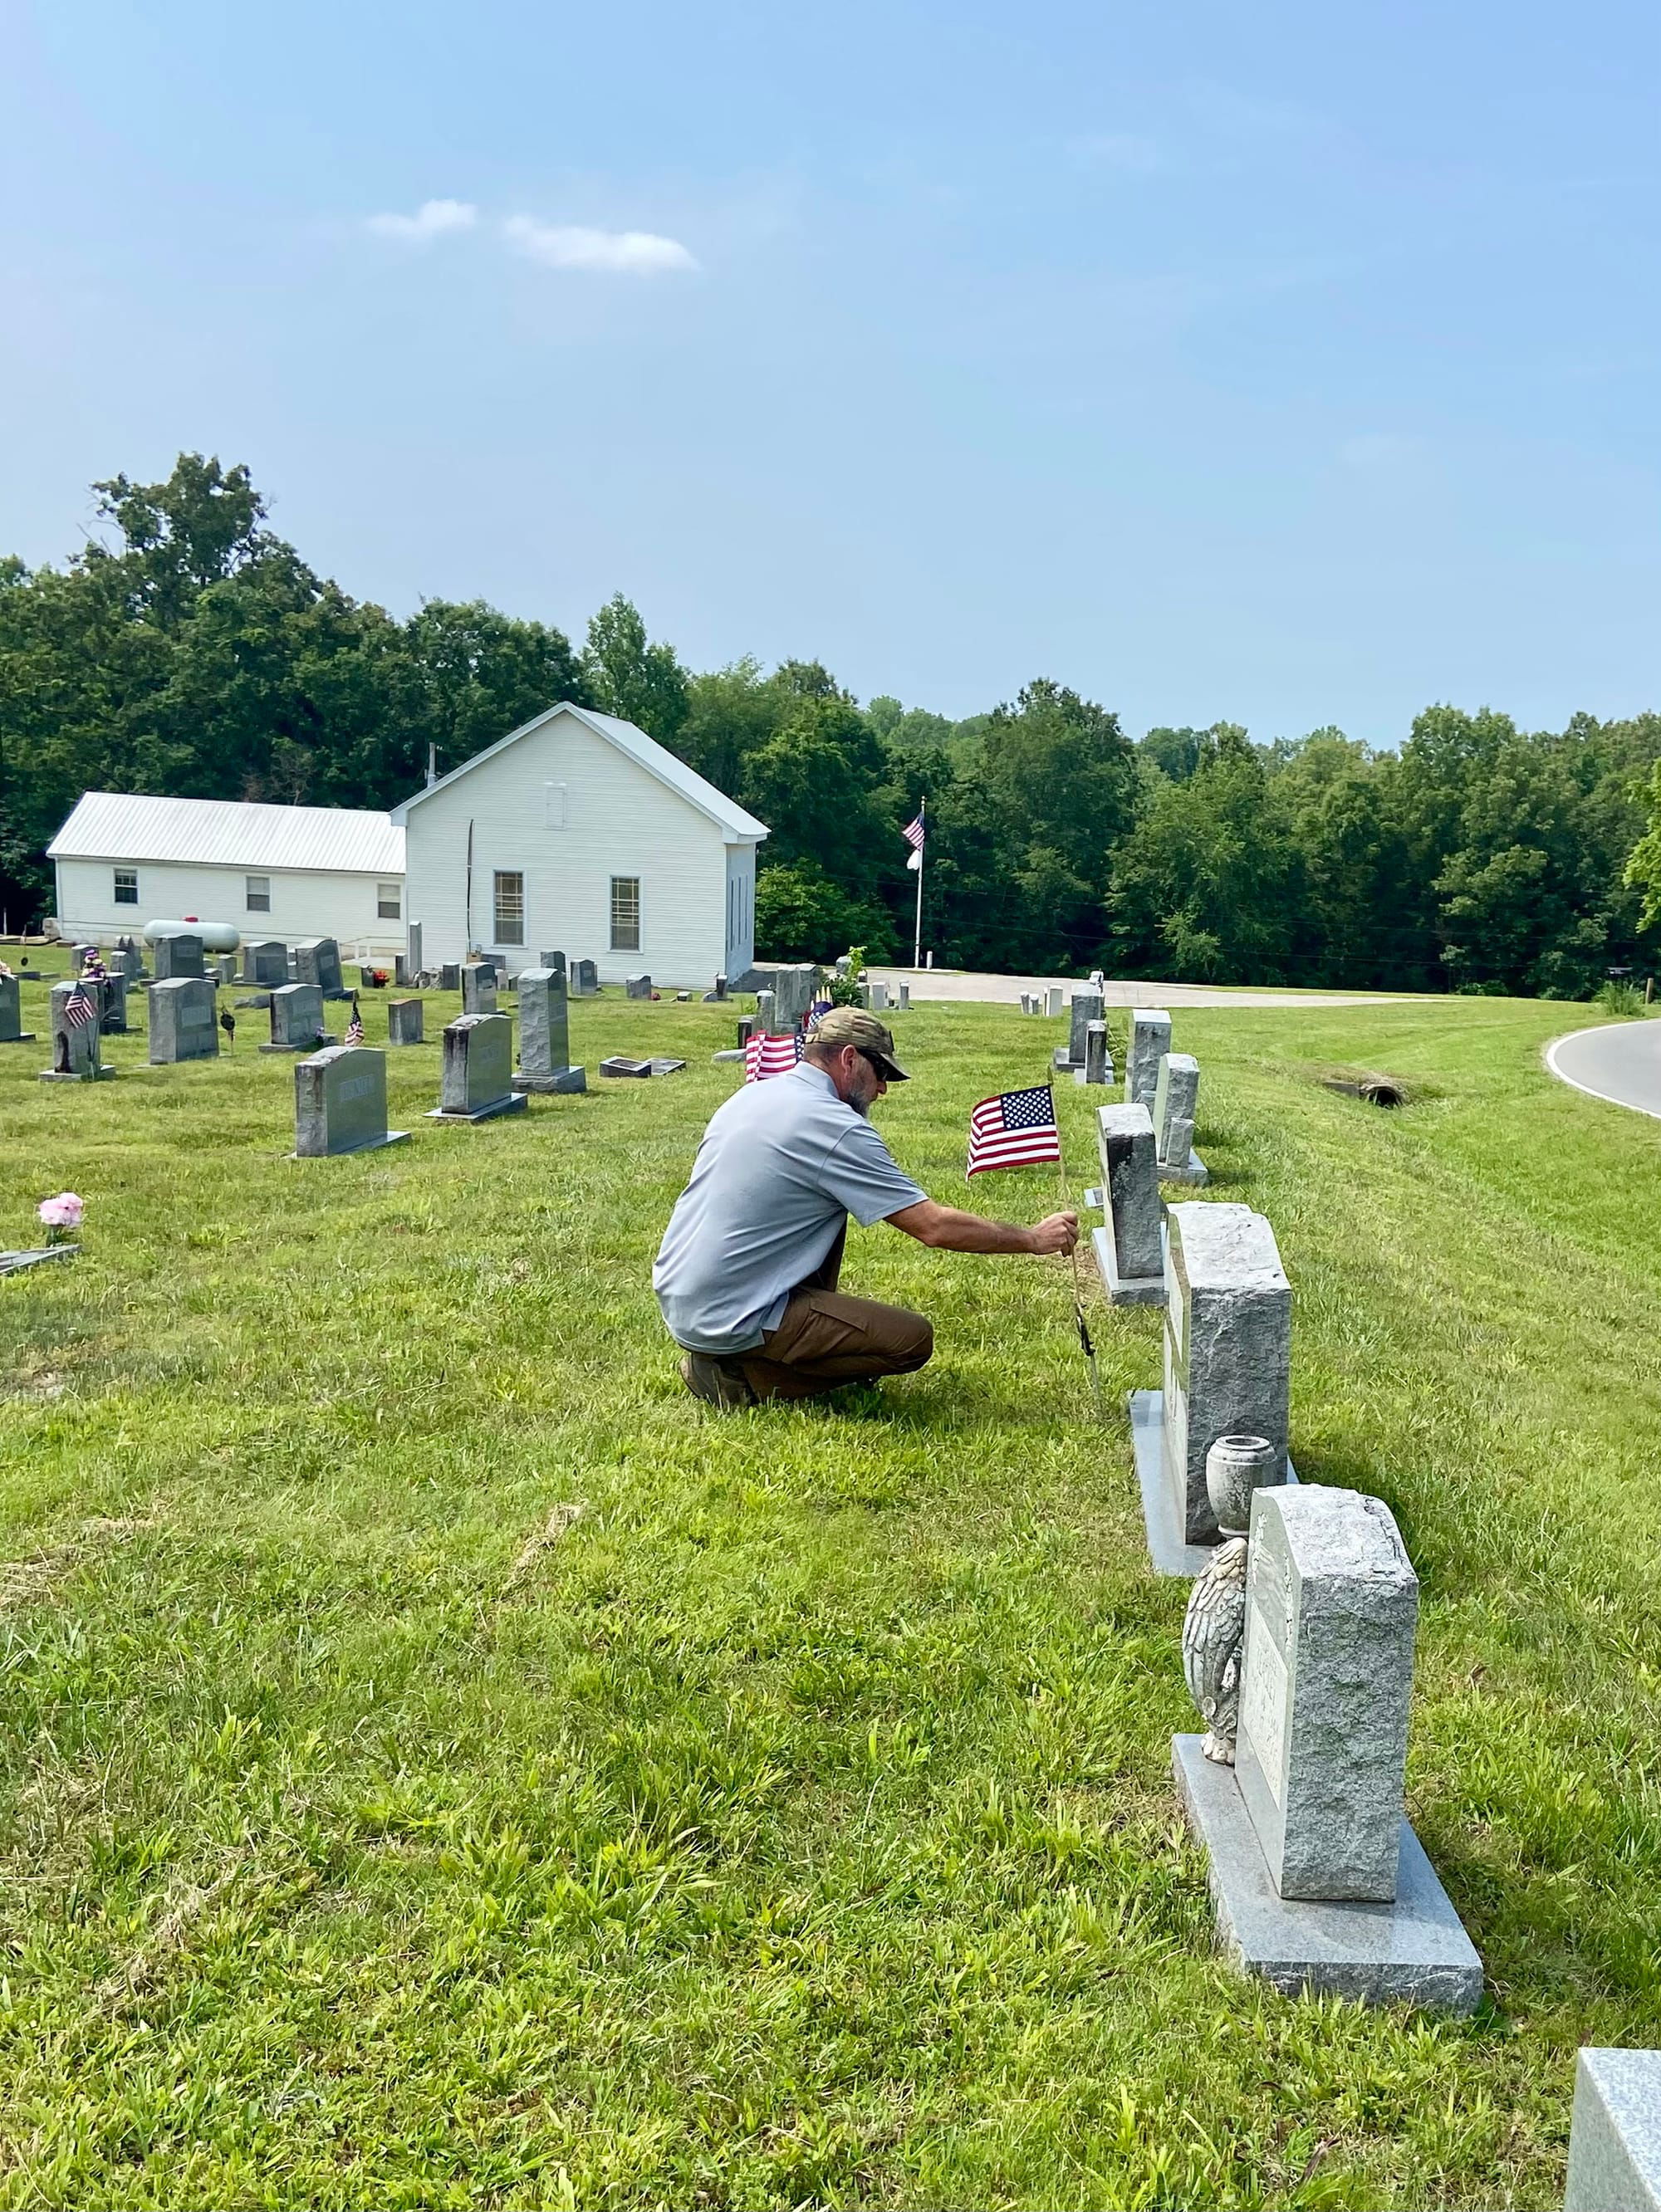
[573,246]
[432,219]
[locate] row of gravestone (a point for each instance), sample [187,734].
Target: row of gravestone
[1298,1639]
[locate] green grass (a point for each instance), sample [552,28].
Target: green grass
[795,1825]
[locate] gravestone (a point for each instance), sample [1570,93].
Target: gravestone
[748,1025]
[1227,1347]
[131,960]
[766,1016]
[905,998]
[1098,1067]
[180,957]
[545,1035]
[317,960]
[1332,1603]
[1129,1246]
[79,955]
[478,1064]
[1150,1041]
[296,1013]
[265,964]
[1051,1003]
[224,969]
[184,1020]
[876,998]
[112,991]
[76,1056]
[585,979]
[1319,1884]
[340,1103]
[405,1021]
[718,996]
[478,988]
[449,976]
[1175,1098]
[11,1013]
[619,1064]
[793,985]
[413,957]
[638,987]
[1084,1007]
[1615,2135]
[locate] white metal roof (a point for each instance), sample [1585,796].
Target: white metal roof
[226,833]
[739,827]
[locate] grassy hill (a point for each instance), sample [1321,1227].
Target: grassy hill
[444,1765]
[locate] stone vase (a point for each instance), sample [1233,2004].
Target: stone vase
[1234,1468]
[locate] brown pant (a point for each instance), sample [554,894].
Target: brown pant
[825,1340]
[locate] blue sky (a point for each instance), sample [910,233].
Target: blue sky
[1292,365]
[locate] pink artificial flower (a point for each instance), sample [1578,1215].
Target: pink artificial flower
[63,1212]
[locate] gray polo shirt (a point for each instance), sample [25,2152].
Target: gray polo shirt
[782,1165]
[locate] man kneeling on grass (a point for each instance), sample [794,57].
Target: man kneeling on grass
[747,1277]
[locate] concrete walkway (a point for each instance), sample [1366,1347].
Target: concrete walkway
[1005,990]
[1619,1061]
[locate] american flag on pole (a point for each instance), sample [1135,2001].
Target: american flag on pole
[914,834]
[1015,1130]
[770,1055]
[79,1011]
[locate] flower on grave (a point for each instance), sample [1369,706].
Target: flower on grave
[60,1215]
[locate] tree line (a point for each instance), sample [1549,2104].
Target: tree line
[190,650]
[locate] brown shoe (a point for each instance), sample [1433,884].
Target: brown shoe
[720,1383]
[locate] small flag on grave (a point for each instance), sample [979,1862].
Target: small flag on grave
[771,1055]
[355,1027]
[79,1011]
[1016,1129]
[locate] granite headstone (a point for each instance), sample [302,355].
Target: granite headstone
[340,1103]
[184,1020]
[1227,1346]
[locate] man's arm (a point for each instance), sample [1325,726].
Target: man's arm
[947,1229]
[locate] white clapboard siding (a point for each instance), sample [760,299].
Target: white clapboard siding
[305,902]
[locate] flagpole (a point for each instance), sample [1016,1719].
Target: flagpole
[916,941]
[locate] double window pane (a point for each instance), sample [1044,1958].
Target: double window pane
[126,887]
[258,894]
[625,913]
[509,907]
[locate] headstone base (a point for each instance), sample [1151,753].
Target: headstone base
[515,1102]
[564,1080]
[1195,1174]
[1137,1290]
[1167,1547]
[1412,1951]
[92,1075]
[734,1052]
[1064,1063]
[304,1051]
[25,1036]
[1614,2143]
[1082,1074]
[10,1262]
[618,1065]
[371,1144]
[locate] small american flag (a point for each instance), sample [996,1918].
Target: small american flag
[770,1055]
[79,1011]
[913,833]
[820,1007]
[355,1027]
[1015,1130]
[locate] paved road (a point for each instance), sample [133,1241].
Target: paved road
[1619,1061]
[1005,990]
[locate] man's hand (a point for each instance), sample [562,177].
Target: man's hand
[949,1229]
[1056,1232]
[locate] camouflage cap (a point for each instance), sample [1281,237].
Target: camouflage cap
[852,1025]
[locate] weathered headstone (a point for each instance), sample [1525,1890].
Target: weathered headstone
[317,960]
[1175,1100]
[793,985]
[585,979]
[638,987]
[224,969]
[1615,2135]
[265,964]
[112,990]
[718,996]
[1227,1346]
[876,998]
[131,960]
[1150,1041]
[1098,1067]
[79,957]
[449,976]
[414,959]
[1319,1884]
[296,1013]
[748,1025]
[1129,1247]
[545,1035]
[478,1065]
[179,956]
[1085,1008]
[766,1015]
[11,1012]
[340,1103]
[478,988]
[1050,1003]
[905,998]
[184,1020]
[75,1052]
[405,1021]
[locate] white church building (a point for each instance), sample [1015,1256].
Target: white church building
[577,833]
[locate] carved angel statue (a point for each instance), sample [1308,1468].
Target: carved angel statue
[1213,1629]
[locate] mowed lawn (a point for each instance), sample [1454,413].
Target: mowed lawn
[443,1764]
